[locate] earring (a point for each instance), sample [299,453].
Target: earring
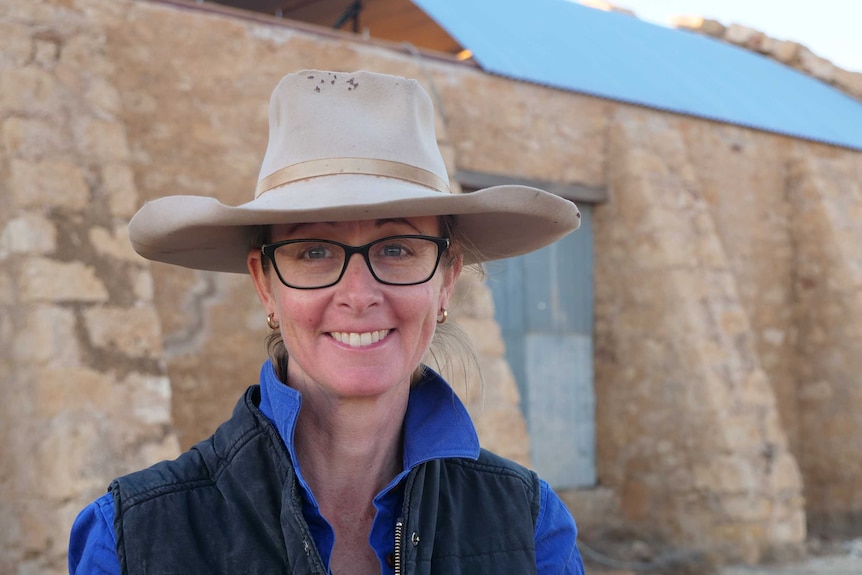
[444,314]
[271,322]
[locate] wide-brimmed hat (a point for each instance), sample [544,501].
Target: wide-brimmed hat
[348,146]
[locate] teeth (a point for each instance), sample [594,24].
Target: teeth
[354,339]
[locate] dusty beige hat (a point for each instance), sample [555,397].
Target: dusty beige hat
[348,146]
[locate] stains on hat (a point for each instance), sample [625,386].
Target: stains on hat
[333,78]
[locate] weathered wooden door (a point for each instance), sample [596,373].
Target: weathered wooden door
[544,305]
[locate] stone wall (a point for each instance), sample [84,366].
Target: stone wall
[818,393]
[826,192]
[677,355]
[85,391]
[725,276]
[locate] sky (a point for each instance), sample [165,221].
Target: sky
[832,29]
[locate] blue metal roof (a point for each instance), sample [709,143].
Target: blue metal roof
[565,45]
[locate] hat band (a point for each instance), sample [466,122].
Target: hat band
[364,166]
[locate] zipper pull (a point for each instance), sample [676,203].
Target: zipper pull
[399,540]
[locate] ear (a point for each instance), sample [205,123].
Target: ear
[261,279]
[450,276]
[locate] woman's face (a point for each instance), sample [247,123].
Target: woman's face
[318,325]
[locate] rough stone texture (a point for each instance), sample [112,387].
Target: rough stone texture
[826,192]
[85,392]
[708,422]
[727,272]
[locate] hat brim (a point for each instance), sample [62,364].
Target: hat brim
[202,233]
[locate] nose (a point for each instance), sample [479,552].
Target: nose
[358,288]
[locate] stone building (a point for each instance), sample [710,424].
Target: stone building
[725,341]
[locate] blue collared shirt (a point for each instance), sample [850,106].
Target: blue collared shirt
[436,426]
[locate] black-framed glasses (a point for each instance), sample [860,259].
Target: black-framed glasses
[395,260]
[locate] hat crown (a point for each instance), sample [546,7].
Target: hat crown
[348,147]
[318,119]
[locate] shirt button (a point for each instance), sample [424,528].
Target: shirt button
[390,559]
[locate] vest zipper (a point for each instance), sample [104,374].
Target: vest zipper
[399,540]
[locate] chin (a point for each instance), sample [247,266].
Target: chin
[361,383]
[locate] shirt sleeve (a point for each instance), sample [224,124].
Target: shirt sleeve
[93,545]
[556,537]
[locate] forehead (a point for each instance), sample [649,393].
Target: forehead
[429,225]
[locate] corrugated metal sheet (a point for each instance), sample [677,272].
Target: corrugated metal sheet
[543,302]
[611,55]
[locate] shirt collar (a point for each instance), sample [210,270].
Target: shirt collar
[436,424]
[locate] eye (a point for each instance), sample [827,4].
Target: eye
[394,249]
[307,251]
[316,252]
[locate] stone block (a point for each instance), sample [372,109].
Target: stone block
[7,289]
[741,431]
[150,400]
[103,98]
[744,36]
[132,331]
[814,65]
[48,338]
[785,51]
[17,45]
[756,389]
[790,529]
[68,389]
[849,82]
[485,335]
[28,234]
[48,183]
[32,138]
[114,244]
[784,477]
[152,452]
[63,454]
[142,285]
[27,12]
[605,6]
[595,510]
[104,141]
[118,183]
[31,91]
[724,474]
[500,387]
[747,507]
[699,24]
[46,53]
[49,280]
[504,431]
[471,298]
[84,54]
[817,391]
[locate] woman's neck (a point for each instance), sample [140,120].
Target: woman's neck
[349,449]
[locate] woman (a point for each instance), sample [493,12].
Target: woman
[350,457]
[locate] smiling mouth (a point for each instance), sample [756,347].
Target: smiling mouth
[354,339]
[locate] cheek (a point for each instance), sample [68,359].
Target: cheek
[297,308]
[426,308]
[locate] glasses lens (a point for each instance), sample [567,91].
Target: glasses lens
[309,264]
[403,260]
